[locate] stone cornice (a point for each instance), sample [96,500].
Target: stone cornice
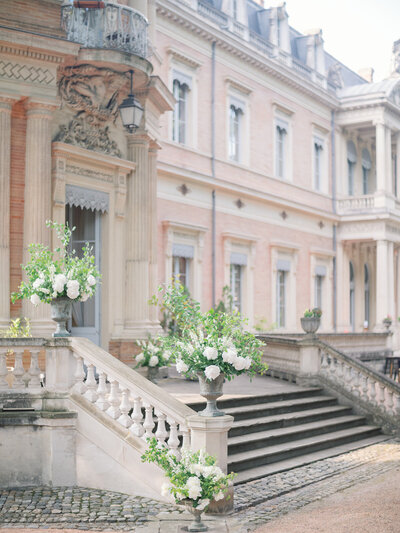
[183,58]
[231,43]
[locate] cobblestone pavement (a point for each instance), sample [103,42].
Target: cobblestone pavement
[256,502]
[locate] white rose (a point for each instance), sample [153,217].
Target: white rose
[219,496]
[35,299]
[210,353]
[153,360]
[181,367]
[165,489]
[59,283]
[85,296]
[248,362]
[167,354]
[240,363]
[91,280]
[38,283]
[229,356]
[139,358]
[194,487]
[73,289]
[212,372]
[203,504]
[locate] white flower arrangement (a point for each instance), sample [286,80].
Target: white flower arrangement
[58,273]
[152,354]
[195,477]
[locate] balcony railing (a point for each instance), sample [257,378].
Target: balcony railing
[113,27]
[356,204]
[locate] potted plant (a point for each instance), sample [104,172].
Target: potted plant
[214,345]
[194,480]
[58,277]
[311,320]
[387,321]
[152,357]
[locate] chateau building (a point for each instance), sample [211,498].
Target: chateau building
[261,163]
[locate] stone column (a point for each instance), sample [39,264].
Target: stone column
[153,274]
[382,272]
[140,240]
[37,199]
[381,157]
[388,162]
[391,286]
[398,163]
[5,147]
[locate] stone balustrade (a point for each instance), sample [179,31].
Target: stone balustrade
[356,204]
[115,27]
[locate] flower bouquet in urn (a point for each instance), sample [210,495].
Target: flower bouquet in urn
[59,277]
[214,345]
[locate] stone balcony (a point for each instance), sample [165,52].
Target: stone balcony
[113,27]
[355,204]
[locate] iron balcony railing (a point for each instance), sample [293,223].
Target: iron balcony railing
[113,26]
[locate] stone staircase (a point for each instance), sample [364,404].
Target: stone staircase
[279,431]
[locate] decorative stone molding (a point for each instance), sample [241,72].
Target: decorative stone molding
[87,198]
[335,76]
[178,55]
[26,73]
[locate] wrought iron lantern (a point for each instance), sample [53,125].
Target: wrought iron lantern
[130,110]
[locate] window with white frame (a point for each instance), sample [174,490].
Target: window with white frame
[351,165]
[319,153]
[283,269]
[182,84]
[282,148]
[236,125]
[182,257]
[366,167]
[320,274]
[237,266]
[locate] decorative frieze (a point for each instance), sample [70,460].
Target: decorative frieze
[26,73]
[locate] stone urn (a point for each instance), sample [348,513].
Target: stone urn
[387,322]
[211,390]
[310,324]
[153,373]
[61,310]
[197,524]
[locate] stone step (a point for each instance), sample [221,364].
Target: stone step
[279,452]
[269,438]
[279,407]
[252,474]
[254,425]
[250,400]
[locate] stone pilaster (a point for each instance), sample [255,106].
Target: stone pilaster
[153,276]
[382,282]
[5,147]
[140,240]
[381,156]
[37,198]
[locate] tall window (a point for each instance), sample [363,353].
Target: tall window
[351,164]
[235,126]
[366,167]
[180,115]
[236,286]
[366,296]
[281,139]
[235,9]
[350,168]
[281,298]
[352,296]
[318,155]
[181,270]
[319,280]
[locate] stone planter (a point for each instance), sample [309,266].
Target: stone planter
[153,373]
[211,391]
[61,310]
[387,323]
[197,524]
[310,324]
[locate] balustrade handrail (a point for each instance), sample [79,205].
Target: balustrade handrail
[128,378]
[377,376]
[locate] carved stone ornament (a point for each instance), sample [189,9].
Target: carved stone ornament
[94,94]
[335,75]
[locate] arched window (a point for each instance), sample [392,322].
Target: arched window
[351,164]
[366,167]
[235,126]
[180,116]
[366,296]
[352,296]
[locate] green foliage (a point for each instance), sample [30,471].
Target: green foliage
[313,313]
[225,305]
[58,273]
[196,476]
[153,353]
[17,329]
[262,325]
[213,342]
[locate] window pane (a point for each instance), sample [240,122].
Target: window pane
[236,286]
[318,291]
[351,178]
[281,298]
[181,270]
[234,132]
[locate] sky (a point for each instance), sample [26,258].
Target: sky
[359,33]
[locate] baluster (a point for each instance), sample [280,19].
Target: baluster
[397,404]
[340,370]
[381,396]
[3,371]
[125,420]
[348,380]
[356,383]
[137,417]
[34,370]
[332,367]
[91,384]
[185,436]
[389,402]
[19,371]
[364,387]
[173,441]
[161,432]
[79,376]
[113,410]
[102,402]
[148,423]
[372,390]
[324,362]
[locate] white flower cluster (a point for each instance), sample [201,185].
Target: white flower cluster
[61,283]
[152,355]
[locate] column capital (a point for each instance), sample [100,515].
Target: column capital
[6,103]
[41,109]
[138,138]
